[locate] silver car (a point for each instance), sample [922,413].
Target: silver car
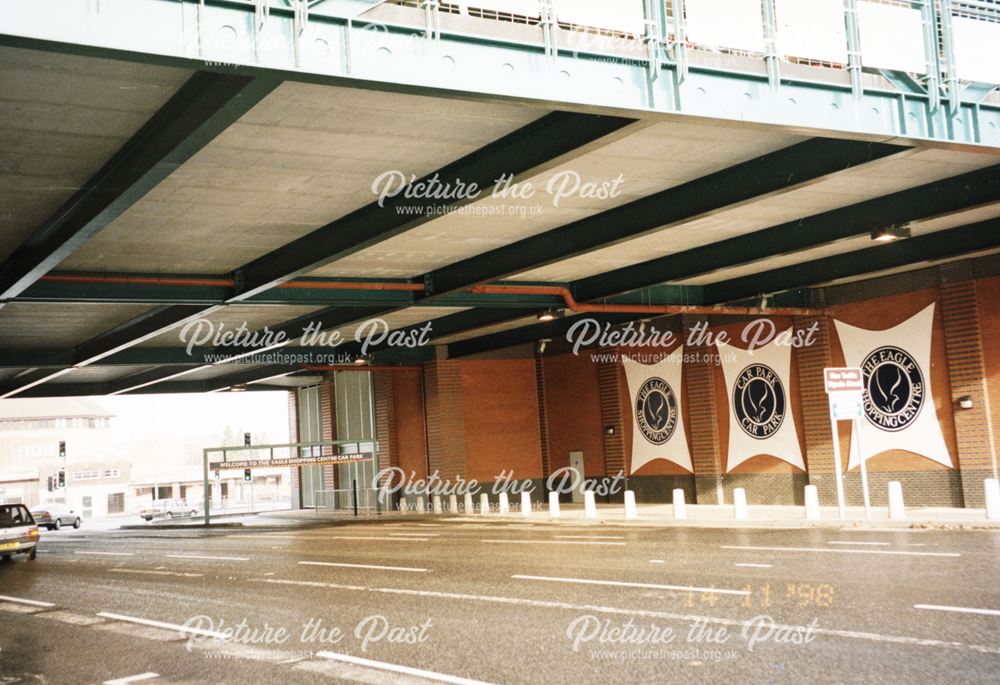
[55,516]
[18,532]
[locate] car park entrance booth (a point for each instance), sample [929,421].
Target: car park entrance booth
[204,196]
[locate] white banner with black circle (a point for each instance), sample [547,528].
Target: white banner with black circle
[761,420]
[899,409]
[657,428]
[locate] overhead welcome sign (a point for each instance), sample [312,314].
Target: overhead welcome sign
[898,399]
[657,428]
[761,420]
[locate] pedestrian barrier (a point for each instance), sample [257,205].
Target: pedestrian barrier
[992,486]
[525,504]
[812,503]
[453,503]
[467,503]
[438,507]
[680,510]
[897,511]
[421,505]
[589,505]
[403,504]
[484,504]
[630,510]
[740,510]
[504,504]
[554,505]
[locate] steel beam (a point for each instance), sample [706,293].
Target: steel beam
[203,107]
[773,173]
[529,148]
[954,242]
[923,202]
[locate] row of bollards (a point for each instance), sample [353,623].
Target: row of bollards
[741,511]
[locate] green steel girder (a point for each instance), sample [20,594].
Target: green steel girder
[954,242]
[933,199]
[203,107]
[775,172]
[341,49]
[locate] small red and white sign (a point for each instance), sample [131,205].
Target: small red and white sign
[849,379]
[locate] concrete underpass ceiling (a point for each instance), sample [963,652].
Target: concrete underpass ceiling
[303,157]
[63,118]
[52,325]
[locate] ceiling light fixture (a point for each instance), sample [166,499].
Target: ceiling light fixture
[891,233]
[551,315]
[362,360]
[238,388]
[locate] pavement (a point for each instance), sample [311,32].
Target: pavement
[505,601]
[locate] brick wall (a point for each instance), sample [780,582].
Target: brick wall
[445,418]
[612,400]
[815,406]
[700,403]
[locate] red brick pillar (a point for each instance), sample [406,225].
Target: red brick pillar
[609,387]
[706,455]
[977,457]
[816,407]
[543,415]
[385,420]
[445,418]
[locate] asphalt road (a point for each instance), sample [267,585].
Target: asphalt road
[498,602]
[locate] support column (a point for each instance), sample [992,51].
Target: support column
[293,436]
[609,387]
[816,408]
[385,420]
[706,455]
[328,428]
[977,452]
[445,418]
[543,415]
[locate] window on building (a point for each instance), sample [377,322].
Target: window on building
[86,475]
[112,473]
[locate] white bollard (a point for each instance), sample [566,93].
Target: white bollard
[438,507]
[453,503]
[525,504]
[680,510]
[421,508]
[630,511]
[403,504]
[897,510]
[484,504]
[589,505]
[504,504]
[467,503]
[554,505]
[992,486]
[740,510]
[812,503]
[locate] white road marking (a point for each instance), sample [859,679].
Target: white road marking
[149,675]
[590,537]
[958,610]
[106,554]
[368,566]
[375,537]
[642,613]
[146,572]
[657,561]
[551,542]
[198,556]
[415,535]
[755,565]
[858,542]
[29,602]
[843,551]
[396,668]
[185,630]
[621,583]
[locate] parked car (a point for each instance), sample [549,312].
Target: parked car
[18,532]
[169,508]
[54,516]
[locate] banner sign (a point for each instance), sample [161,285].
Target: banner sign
[898,400]
[761,420]
[657,428]
[292,461]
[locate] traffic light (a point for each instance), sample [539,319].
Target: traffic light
[62,478]
[246,439]
[51,484]
[246,475]
[62,448]
[218,474]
